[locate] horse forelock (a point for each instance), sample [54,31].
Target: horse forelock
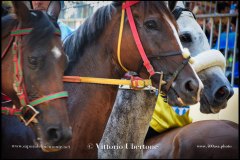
[43,28]
[88,32]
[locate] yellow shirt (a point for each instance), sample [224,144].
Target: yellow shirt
[164,117]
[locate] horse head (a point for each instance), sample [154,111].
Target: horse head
[156,28]
[38,67]
[209,64]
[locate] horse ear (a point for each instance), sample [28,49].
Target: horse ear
[172,5]
[21,11]
[54,9]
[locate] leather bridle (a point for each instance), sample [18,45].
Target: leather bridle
[127,6]
[18,84]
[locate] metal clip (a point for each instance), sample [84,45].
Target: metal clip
[33,118]
[161,82]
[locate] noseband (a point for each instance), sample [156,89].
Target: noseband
[145,58]
[18,84]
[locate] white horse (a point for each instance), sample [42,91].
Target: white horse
[129,121]
[217,87]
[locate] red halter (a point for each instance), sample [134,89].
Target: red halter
[146,62]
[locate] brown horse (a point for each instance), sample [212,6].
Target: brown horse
[203,139]
[33,63]
[92,52]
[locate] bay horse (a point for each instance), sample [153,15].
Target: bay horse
[33,63]
[128,123]
[92,52]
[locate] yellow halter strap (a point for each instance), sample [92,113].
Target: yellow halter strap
[120,40]
[133,83]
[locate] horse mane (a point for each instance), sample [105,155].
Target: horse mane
[43,28]
[94,25]
[88,32]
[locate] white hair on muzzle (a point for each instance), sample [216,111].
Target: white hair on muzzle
[209,59]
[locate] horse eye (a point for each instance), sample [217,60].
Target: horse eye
[151,24]
[186,37]
[33,60]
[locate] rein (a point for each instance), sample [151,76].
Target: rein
[18,84]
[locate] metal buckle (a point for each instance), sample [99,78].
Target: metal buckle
[32,119]
[139,86]
[161,82]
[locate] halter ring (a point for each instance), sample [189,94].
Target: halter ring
[33,118]
[161,82]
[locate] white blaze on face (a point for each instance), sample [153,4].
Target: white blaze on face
[200,87]
[174,32]
[56,52]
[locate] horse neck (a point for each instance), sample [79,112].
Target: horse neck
[97,61]
[98,58]
[90,105]
[128,124]
[94,65]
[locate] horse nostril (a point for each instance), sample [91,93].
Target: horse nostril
[189,86]
[222,93]
[54,134]
[57,136]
